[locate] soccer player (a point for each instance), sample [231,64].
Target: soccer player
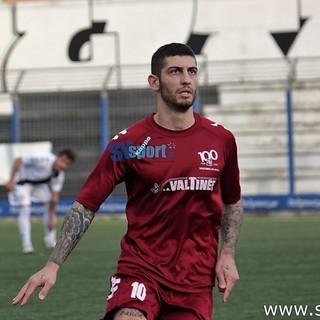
[182,181]
[38,177]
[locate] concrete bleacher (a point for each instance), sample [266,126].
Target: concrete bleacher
[258,118]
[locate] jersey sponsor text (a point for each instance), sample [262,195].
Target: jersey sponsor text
[185,184]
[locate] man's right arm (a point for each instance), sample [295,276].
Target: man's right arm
[75,224]
[15,167]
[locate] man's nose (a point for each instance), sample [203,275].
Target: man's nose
[185,77]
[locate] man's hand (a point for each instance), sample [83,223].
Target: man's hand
[45,279]
[227,274]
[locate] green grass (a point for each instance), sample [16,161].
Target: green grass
[278,261]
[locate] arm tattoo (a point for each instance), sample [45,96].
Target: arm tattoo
[231,225]
[75,224]
[132,313]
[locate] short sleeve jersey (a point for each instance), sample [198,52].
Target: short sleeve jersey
[38,166]
[176,183]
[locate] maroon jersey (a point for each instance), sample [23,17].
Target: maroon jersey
[176,182]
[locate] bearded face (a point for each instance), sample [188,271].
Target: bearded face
[178,82]
[177,100]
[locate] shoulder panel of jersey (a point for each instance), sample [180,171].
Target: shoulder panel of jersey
[133,132]
[214,127]
[139,131]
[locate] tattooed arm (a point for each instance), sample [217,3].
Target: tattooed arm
[226,270]
[75,224]
[230,226]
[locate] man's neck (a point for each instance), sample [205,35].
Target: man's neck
[175,120]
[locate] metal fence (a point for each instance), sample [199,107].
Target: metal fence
[276,71]
[83,107]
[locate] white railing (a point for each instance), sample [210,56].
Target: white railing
[272,71]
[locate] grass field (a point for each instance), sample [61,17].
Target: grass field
[278,260]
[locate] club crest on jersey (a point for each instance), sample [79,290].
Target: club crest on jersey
[185,184]
[208,157]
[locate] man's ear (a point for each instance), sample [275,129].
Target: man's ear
[154,82]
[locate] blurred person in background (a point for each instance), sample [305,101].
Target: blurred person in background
[38,177]
[182,180]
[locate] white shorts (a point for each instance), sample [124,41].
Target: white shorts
[27,193]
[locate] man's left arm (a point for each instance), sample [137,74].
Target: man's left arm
[52,210]
[226,270]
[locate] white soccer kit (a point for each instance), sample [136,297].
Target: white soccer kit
[35,167]
[34,182]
